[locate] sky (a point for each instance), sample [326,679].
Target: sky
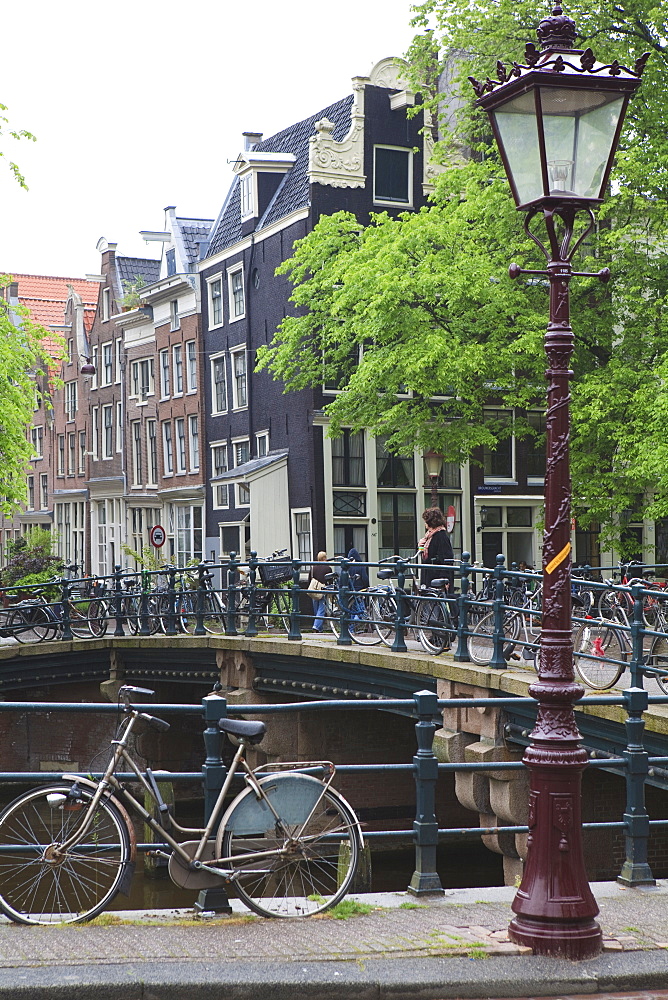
[140,104]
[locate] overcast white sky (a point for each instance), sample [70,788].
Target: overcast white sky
[139,104]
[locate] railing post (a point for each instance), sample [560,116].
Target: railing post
[637,636]
[118,601]
[66,617]
[201,594]
[399,644]
[498,660]
[295,632]
[636,870]
[171,601]
[425,828]
[214,707]
[144,583]
[462,654]
[231,623]
[251,624]
[344,638]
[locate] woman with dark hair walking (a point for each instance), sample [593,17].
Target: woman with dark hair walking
[436,549]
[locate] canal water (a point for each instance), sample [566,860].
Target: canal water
[459,866]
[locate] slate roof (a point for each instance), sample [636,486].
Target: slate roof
[130,268]
[293,191]
[192,232]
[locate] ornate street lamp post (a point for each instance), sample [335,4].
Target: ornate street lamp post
[557,122]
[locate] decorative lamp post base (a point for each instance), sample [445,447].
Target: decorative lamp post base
[575,941]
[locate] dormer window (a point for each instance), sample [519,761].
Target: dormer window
[170,260]
[246,191]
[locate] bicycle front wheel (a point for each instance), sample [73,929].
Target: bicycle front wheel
[595,646]
[362,626]
[31,623]
[41,885]
[299,864]
[658,658]
[434,625]
[481,640]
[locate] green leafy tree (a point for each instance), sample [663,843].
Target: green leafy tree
[23,359]
[419,325]
[30,560]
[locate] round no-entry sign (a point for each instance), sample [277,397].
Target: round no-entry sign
[158,535]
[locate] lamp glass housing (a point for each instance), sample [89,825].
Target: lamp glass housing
[433,463]
[558,142]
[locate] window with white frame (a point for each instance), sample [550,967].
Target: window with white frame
[236,293]
[119,357]
[136,453]
[392,175]
[107,431]
[70,400]
[219,380]
[31,492]
[239,398]
[262,443]
[44,491]
[70,350]
[301,521]
[180,426]
[246,193]
[165,385]
[107,363]
[37,438]
[167,448]
[174,321]
[241,451]
[106,304]
[61,455]
[177,358]
[218,466]
[499,461]
[96,365]
[193,432]
[70,527]
[82,453]
[216,302]
[186,523]
[71,454]
[191,366]
[95,431]
[243,495]
[151,453]
[141,379]
[119,426]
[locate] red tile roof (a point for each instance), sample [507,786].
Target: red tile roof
[45,297]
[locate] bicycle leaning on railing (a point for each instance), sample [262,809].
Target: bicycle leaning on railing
[288,843]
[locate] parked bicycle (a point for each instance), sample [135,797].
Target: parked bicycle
[428,608]
[288,843]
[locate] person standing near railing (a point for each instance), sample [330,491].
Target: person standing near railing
[436,549]
[318,574]
[359,580]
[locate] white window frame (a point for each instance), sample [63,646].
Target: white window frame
[384,201]
[71,400]
[37,439]
[217,279]
[512,479]
[107,363]
[246,185]
[95,432]
[60,455]
[106,304]
[241,500]
[137,385]
[71,453]
[82,453]
[178,374]
[119,427]
[165,374]
[193,442]
[96,364]
[180,442]
[135,442]
[234,354]
[167,448]
[174,318]
[235,444]
[44,491]
[218,359]
[151,453]
[118,344]
[30,492]
[262,444]
[191,365]
[221,491]
[233,272]
[294,513]
[107,439]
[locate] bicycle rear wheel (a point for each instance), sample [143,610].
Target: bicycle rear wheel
[308,856]
[595,645]
[481,640]
[98,617]
[362,627]
[385,616]
[40,886]
[31,623]
[434,628]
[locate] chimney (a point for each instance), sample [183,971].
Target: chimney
[251,139]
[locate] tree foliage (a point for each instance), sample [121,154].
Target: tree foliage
[427,297]
[6,131]
[31,560]
[23,359]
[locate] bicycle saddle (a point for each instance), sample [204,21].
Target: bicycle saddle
[439,583]
[386,574]
[251,731]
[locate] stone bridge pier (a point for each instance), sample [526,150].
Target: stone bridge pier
[475,735]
